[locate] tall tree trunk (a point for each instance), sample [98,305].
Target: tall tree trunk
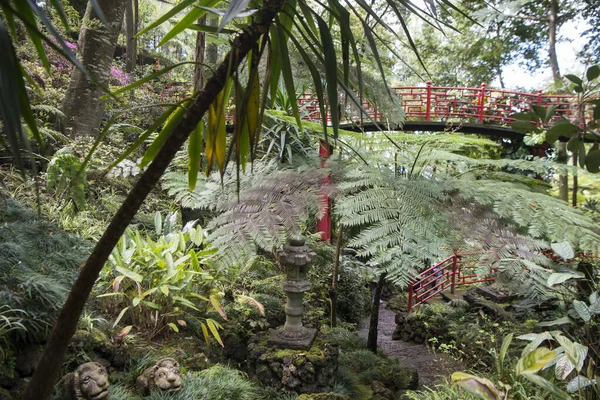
[553,26]
[41,384]
[212,51]
[334,280]
[374,320]
[199,58]
[97,42]
[563,177]
[130,32]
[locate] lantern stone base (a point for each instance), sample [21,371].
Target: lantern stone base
[299,371]
[300,339]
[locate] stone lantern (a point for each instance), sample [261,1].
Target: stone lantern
[296,257]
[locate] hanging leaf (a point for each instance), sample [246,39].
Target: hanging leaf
[592,161]
[166,131]
[189,19]
[575,79]
[331,75]
[212,325]
[561,128]
[168,15]
[235,8]
[522,126]
[573,144]
[286,70]
[194,153]
[592,72]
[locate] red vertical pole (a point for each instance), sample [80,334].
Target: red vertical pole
[453,273]
[428,103]
[481,104]
[410,296]
[539,98]
[324,224]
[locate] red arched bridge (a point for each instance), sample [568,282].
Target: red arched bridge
[433,108]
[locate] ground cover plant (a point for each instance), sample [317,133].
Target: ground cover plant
[85,139]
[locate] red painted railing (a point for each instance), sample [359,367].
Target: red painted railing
[457,270]
[448,104]
[481,104]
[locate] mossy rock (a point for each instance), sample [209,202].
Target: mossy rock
[323,396]
[300,371]
[5,394]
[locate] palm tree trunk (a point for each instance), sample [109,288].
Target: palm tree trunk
[563,177]
[41,384]
[553,27]
[97,42]
[374,321]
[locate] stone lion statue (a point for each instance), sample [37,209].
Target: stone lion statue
[164,375]
[88,382]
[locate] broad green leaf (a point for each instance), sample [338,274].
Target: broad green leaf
[534,361]
[194,153]
[561,128]
[522,126]
[478,386]
[578,383]
[592,161]
[212,325]
[504,348]
[274,62]
[190,18]
[166,131]
[536,339]
[525,116]
[560,277]
[560,321]
[539,112]
[550,112]
[573,144]
[592,72]
[151,305]
[575,79]
[581,154]
[331,75]
[185,302]
[582,310]
[557,393]
[563,367]
[134,276]
[136,301]
[563,250]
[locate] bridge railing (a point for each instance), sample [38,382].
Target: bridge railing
[456,270]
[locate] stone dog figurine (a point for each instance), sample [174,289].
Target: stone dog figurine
[88,382]
[164,375]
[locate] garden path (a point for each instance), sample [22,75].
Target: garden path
[432,368]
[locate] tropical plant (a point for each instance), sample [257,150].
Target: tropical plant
[566,358]
[65,178]
[153,284]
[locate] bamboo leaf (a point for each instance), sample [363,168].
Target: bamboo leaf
[134,276]
[25,10]
[194,152]
[235,8]
[331,76]
[170,124]
[212,325]
[190,18]
[214,300]
[121,314]
[286,69]
[169,14]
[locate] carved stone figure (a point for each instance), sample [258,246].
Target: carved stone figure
[164,375]
[88,382]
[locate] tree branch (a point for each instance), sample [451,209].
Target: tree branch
[47,371]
